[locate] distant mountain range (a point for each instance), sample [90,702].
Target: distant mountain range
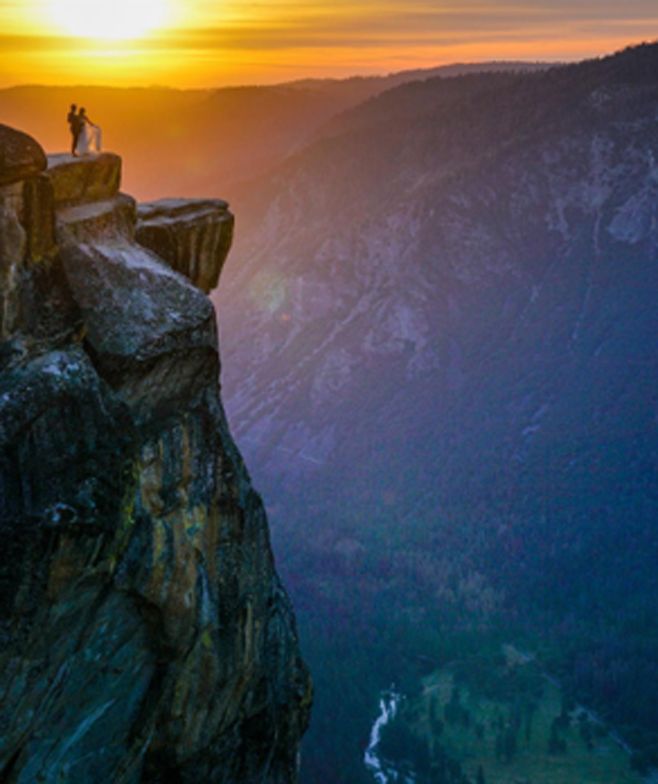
[201,142]
[439,338]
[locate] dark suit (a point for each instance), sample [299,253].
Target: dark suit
[75,124]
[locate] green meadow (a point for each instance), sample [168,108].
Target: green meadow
[505,722]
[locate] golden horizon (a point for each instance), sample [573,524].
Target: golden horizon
[200,45]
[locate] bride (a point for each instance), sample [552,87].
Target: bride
[90,139]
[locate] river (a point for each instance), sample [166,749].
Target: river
[382,772]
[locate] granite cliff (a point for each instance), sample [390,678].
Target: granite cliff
[144,633]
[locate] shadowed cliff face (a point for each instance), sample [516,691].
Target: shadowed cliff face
[144,634]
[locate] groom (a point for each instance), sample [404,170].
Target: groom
[75,125]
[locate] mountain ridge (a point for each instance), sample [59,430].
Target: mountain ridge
[217,136]
[446,343]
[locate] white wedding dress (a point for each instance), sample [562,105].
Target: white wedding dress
[90,140]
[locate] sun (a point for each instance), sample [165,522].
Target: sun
[116,20]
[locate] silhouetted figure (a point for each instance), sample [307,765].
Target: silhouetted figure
[76,123]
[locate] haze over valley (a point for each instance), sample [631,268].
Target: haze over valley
[438,347]
[440,361]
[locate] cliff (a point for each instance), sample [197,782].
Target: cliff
[144,633]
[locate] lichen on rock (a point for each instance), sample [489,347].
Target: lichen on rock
[144,633]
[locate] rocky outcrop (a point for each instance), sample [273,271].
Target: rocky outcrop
[27,237]
[193,236]
[92,223]
[83,180]
[144,633]
[20,156]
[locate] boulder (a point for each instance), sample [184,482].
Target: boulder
[20,156]
[194,236]
[101,220]
[153,335]
[86,179]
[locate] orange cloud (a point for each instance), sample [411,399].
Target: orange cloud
[235,41]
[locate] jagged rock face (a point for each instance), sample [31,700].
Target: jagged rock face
[144,633]
[194,237]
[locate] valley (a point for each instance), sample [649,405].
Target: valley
[443,316]
[504,721]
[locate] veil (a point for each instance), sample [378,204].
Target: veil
[96,144]
[90,140]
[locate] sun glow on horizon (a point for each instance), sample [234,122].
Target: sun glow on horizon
[116,20]
[214,43]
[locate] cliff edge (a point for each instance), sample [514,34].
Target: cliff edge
[144,633]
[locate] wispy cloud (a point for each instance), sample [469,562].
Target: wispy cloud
[215,42]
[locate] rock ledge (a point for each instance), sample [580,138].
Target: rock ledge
[82,180]
[194,236]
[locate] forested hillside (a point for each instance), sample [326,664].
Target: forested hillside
[439,329]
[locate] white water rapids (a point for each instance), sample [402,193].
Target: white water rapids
[381,771]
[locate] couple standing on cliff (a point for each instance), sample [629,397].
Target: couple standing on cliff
[86,136]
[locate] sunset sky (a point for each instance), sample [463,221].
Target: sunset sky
[203,43]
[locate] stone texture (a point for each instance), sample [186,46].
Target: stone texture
[82,180]
[151,333]
[21,156]
[27,242]
[144,634]
[98,221]
[193,236]
[38,218]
